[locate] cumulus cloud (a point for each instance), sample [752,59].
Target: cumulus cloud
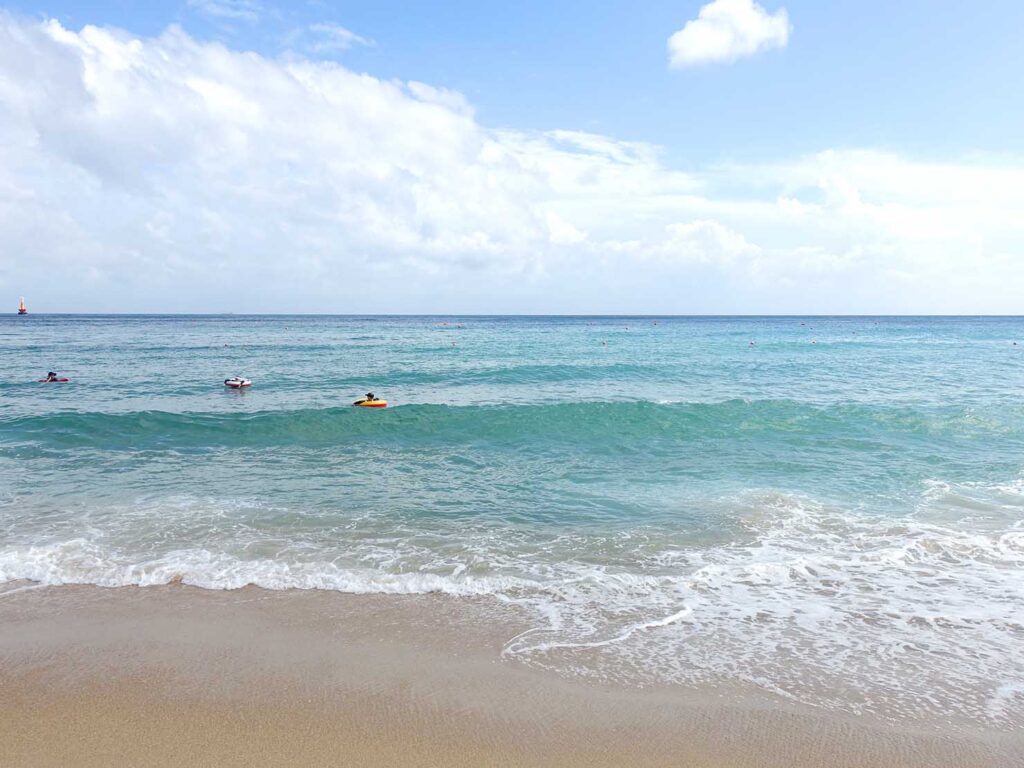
[726,30]
[705,241]
[171,174]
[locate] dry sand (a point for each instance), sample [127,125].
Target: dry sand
[169,676]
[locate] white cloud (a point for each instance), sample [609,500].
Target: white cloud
[726,30]
[443,97]
[239,10]
[170,174]
[705,241]
[332,38]
[561,232]
[702,241]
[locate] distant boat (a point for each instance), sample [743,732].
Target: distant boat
[22,309]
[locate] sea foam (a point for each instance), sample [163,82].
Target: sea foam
[841,609]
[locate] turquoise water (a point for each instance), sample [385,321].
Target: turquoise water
[828,508]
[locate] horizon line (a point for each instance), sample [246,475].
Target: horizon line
[513,314]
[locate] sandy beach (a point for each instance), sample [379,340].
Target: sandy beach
[174,675]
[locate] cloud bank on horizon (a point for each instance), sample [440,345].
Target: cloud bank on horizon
[726,30]
[174,174]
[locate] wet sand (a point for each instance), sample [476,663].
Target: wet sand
[169,676]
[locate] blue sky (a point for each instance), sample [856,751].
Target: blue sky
[797,177]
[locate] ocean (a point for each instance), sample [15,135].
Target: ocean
[828,509]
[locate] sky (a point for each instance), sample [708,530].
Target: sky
[724,157]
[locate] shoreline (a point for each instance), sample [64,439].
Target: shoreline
[178,675]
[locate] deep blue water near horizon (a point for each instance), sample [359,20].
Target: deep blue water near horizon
[829,508]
